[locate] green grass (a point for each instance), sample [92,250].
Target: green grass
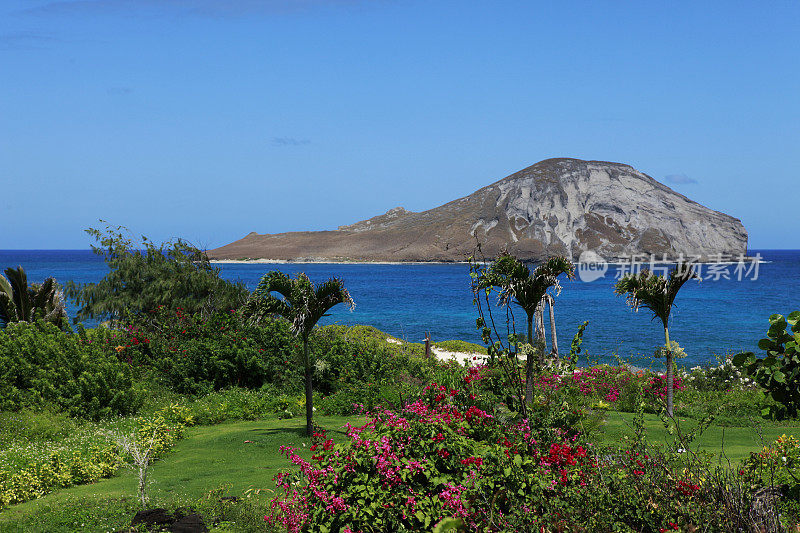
[210,457]
[461,346]
[735,442]
[241,457]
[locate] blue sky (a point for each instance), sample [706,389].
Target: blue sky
[209,119]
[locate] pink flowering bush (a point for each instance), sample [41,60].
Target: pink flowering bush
[450,456]
[657,386]
[440,456]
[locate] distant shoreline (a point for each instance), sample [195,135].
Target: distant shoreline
[346,262]
[329,262]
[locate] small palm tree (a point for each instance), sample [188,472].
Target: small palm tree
[526,289]
[657,293]
[22,303]
[303,304]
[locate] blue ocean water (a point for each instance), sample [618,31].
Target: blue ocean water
[710,318]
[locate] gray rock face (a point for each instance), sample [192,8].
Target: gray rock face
[555,207]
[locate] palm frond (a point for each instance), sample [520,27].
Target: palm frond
[8,312]
[326,296]
[5,287]
[516,283]
[42,294]
[302,304]
[20,296]
[56,309]
[677,278]
[656,293]
[275,281]
[332,292]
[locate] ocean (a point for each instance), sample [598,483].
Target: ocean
[711,318]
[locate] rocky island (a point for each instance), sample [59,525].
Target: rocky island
[555,207]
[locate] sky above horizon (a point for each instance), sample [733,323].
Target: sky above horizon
[209,119]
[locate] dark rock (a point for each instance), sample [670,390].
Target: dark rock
[153,518]
[191,523]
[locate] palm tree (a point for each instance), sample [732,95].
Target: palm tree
[526,289]
[22,303]
[303,304]
[657,293]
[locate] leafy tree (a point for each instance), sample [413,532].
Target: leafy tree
[302,304]
[657,293]
[144,276]
[518,285]
[20,302]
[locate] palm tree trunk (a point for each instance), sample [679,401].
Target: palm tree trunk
[541,338]
[529,363]
[670,377]
[530,329]
[553,339]
[309,390]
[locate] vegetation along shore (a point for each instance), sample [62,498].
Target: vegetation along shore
[199,404]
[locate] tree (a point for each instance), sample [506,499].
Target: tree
[518,285]
[20,302]
[657,293]
[144,276]
[302,304]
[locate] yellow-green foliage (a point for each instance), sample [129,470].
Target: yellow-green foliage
[57,469]
[177,413]
[30,470]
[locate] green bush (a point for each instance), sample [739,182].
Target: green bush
[40,365]
[195,355]
[461,346]
[358,366]
[778,465]
[34,426]
[244,404]
[779,372]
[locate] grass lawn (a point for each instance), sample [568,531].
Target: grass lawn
[238,455]
[738,441]
[244,455]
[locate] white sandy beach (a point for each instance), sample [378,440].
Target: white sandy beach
[471,358]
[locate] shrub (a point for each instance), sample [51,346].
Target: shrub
[779,372]
[42,365]
[778,465]
[444,459]
[435,460]
[719,377]
[197,355]
[86,454]
[55,469]
[357,366]
[440,456]
[460,346]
